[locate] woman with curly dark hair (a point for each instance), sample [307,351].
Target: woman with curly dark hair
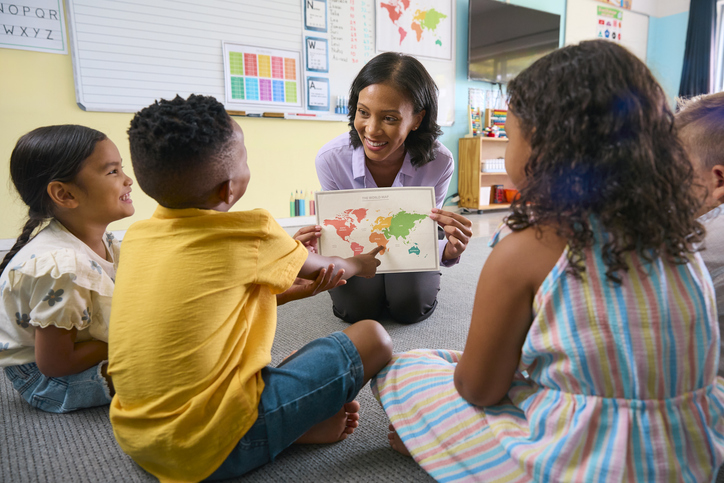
[593,343]
[392,142]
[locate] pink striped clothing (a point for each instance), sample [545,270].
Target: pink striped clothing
[615,383]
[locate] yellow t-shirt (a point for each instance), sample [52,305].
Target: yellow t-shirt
[192,325]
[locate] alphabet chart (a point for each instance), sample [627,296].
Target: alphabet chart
[39,26]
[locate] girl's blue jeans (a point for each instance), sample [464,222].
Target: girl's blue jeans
[60,394]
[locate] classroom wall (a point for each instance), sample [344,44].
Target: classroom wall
[38,89]
[665,55]
[462,84]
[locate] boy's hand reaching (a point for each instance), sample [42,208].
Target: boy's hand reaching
[309,235]
[367,262]
[327,279]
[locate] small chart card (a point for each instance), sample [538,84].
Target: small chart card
[259,76]
[357,221]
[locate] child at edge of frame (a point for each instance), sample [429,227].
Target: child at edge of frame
[598,359]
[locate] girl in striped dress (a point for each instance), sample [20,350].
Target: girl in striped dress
[593,346]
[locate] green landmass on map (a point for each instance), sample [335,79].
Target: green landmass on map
[402,224]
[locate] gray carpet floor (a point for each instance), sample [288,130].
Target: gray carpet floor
[79,447]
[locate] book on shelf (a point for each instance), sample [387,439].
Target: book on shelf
[485,195]
[498,194]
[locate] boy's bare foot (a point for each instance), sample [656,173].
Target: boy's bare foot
[396,442]
[334,429]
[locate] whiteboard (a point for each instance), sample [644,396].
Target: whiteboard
[581,25]
[126,54]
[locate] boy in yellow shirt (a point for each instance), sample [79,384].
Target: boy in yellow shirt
[194,313]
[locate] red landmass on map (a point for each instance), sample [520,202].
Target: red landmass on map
[341,227]
[356,248]
[392,11]
[406,4]
[403,34]
[359,213]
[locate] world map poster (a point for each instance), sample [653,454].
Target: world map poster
[416,27]
[397,219]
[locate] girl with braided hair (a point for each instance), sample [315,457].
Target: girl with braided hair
[56,285]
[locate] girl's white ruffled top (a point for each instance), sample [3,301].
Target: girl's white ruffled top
[55,279]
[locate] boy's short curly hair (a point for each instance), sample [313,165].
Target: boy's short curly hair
[179,149]
[700,121]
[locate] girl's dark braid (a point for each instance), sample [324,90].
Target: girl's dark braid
[34,220]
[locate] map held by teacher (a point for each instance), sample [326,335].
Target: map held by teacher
[397,219]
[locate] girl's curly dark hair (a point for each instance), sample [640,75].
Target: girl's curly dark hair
[409,76]
[603,145]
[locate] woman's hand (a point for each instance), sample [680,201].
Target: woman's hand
[327,279]
[458,231]
[309,235]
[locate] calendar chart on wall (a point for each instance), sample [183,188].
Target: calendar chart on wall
[258,76]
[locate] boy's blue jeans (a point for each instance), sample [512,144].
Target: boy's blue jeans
[305,389]
[60,394]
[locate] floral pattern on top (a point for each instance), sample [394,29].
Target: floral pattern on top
[109,239]
[5,346]
[53,296]
[55,282]
[23,320]
[95,266]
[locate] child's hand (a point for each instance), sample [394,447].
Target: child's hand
[309,235]
[367,262]
[327,279]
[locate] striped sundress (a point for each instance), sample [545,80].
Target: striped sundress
[615,383]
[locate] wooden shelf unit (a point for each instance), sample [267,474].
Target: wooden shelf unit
[471,154]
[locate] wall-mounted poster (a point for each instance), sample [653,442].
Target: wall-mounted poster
[608,24]
[36,25]
[619,3]
[416,27]
[259,76]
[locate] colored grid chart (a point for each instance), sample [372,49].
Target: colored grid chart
[263,76]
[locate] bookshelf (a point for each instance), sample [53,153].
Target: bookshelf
[472,152]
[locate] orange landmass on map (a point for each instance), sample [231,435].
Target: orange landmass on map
[418,30]
[381,241]
[381,223]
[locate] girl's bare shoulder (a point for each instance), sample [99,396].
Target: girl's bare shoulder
[530,253]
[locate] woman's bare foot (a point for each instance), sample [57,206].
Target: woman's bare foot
[334,429]
[396,442]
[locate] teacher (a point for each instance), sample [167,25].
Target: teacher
[392,142]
